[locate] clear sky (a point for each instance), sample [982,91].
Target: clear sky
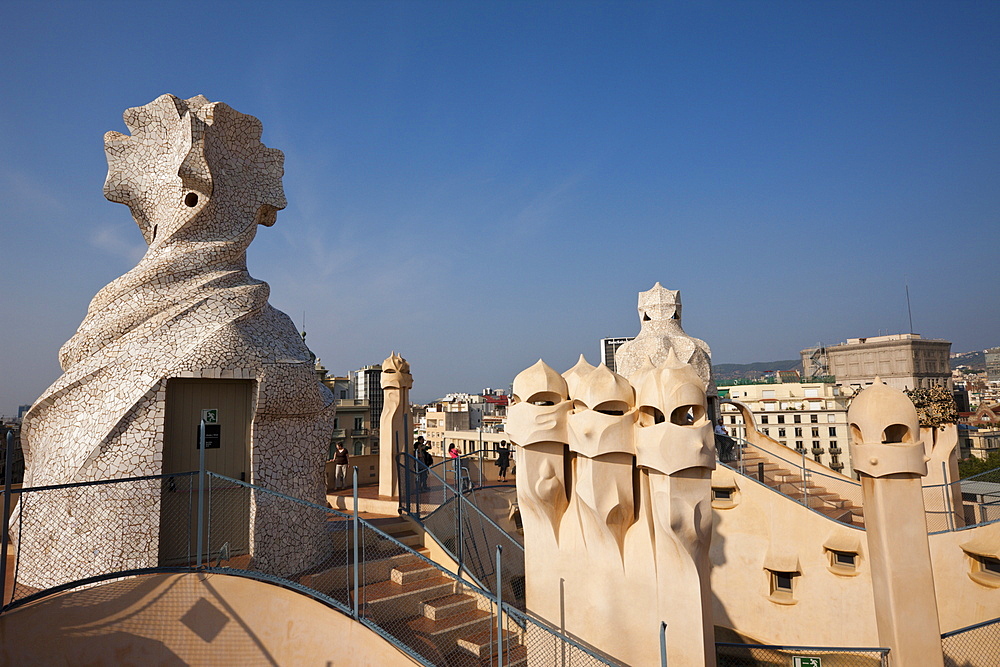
[477,185]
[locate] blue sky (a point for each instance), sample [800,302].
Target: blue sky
[479,185]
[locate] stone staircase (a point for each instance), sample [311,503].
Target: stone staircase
[449,627]
[789,482]
[419,604]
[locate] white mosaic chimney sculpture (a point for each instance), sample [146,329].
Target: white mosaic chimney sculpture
[614,488]
[660,332]
[198,181]
[395,430]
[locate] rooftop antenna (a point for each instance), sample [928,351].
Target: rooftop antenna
[908,311]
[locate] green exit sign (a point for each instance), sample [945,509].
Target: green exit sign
[803,661]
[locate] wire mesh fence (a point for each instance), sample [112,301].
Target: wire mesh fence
[974,646]
[967,502]
[82,533]
[61,534]
[759,655]
[835,496]
[462,529]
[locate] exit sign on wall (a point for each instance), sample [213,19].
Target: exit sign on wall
[803,661]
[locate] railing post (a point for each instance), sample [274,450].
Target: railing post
[760,471]
[499,610]
[357,587]
[7,460]
[663,644]
[805,489]
[201,488]
[459,499]
[947,496]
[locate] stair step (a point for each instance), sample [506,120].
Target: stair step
[410,539]
[475,621]
[449,605]
[421,590]
[484,644]
[388,602]
[513,656]
[415,570]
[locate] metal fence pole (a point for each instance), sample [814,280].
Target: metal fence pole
[7,460]
[459,499]
[356,527]
[805,490]
[663,644]
[760,471]
[499,611]
[947,496]
[480,461]
[201,488]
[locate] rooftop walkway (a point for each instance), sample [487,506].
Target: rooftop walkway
[188,619]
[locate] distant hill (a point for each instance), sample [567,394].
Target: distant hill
[974,360]
[754,370]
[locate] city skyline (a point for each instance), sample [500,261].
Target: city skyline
[477,187]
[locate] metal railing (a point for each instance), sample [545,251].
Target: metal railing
[455,521]
[973,501]
[761,655]
[836,497]
[973,646]
[70,535]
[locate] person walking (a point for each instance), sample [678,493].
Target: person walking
[340,467]
[503,459]
[422,452]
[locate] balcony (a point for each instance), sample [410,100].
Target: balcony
[338,433]
[359,432]
[817,451]
[836,450]
[837,466]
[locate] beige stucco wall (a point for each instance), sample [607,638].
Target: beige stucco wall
[188,619]
[765,529]
[961,600]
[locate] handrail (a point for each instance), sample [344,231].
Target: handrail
[771,488]
[476,561]
[383,546]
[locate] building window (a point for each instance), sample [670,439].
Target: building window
[814,419]
[359,423]
[797,419]
[833,431]
[763,419]
[798,445]
[831,418]
[781,419]
[782,586]
[815,432]
[767,393]
[764,431]
[781,433]
[798,431]
[336,423]
[844,563]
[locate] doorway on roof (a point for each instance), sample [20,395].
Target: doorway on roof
[227,408]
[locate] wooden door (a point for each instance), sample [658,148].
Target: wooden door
[227,406]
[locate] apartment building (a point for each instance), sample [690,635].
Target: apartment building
[902,361]
[807,417]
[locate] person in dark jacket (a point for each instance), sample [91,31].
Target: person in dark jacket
[340,467]
[503,459]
